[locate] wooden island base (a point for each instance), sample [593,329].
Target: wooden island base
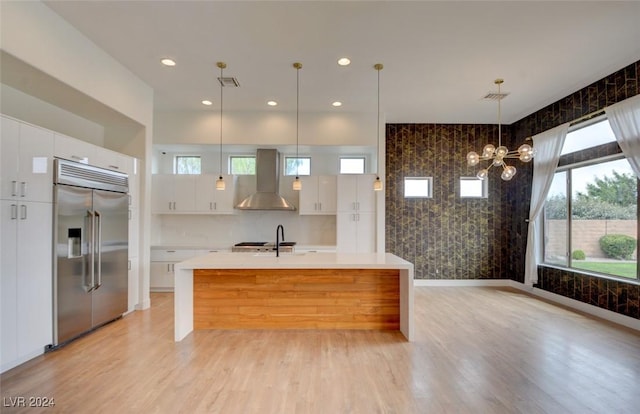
[296,299]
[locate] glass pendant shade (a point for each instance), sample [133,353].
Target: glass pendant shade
[220,183]
[297,184]
[377,184]
[498,157]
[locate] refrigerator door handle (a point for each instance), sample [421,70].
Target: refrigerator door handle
[98,241]
[92,247]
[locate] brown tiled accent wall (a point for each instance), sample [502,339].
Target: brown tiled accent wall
[445,237]
[616,296]
[449,238]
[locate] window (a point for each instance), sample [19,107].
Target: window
[418,187]
[190,164]
[242,165]
[473,187]
[591,213]
[352,165]
[297,166]
[587,137]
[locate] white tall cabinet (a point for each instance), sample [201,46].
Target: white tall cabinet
[356,216]
[26,232]
[26,157]
[318,195]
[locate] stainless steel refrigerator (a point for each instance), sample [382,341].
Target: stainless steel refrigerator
[91,213]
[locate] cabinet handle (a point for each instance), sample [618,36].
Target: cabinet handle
[14,211]
[169,205]
[320,206]
[129,264]
[23,212]
[357,205]
[23,189]
[78,158]
[210,206]
[215,205]
[14,188]
[171,251]
[174,205]
[115,167]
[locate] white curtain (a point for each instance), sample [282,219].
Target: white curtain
[547,146]
[624,118]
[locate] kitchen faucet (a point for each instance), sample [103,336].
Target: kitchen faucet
[279,230]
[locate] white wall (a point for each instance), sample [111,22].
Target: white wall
[27,108]
[268,128]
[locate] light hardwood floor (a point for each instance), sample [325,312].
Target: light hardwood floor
[477,350]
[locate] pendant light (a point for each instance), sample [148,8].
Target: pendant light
[220,181]
[497,156]
[377,184]
[297,184]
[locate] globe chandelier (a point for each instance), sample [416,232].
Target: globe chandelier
[497,156]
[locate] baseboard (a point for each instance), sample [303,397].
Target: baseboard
[608,315]
[461,282]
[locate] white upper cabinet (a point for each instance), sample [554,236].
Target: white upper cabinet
[355,193]
[74,149]
[26,155]
[318,195]
[191,194]
[210,200]
[173,193]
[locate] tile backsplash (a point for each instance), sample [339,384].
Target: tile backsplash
[223,231]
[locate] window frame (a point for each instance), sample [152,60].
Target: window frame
[230,164]
[485,189]
[567,168]
[429,194]
[176,162]
[352,157]
[286,158]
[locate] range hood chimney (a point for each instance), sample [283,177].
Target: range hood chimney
[266,196]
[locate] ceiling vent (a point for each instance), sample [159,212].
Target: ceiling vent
[229,81]
[495,96]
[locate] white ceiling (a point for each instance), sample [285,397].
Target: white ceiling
[440,58]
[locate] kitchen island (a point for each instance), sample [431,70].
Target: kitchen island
[294,291]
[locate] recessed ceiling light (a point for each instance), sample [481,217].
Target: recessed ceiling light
[207,102]
[344,61]
[337,103]
[272,103]
[168,62]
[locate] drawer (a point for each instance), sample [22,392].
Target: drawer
[176,255]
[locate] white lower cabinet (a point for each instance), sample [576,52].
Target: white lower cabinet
[356,232]
[25,280]
[163,263]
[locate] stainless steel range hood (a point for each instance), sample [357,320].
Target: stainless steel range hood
[266,196]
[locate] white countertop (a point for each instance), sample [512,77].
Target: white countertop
[296,261]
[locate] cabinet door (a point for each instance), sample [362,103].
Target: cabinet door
[224,200]
[34,288]
[161,277]
[309,195]
[184,193]
[366,232]
[9,150]
[162,193]
[366,196]
[26,156]
[8,281]
[73,149]
[133,283]
[35,164]
[346,234]
[327,194]
[347,192]
[205,187]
